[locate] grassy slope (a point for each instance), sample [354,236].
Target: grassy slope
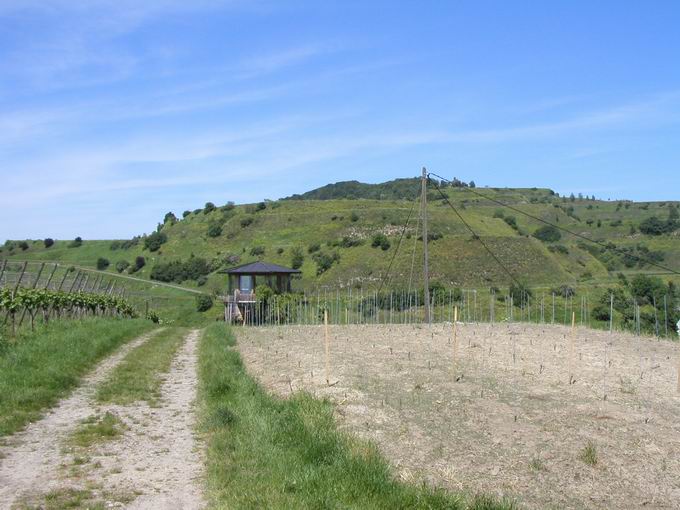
[39,368]
[456,259]
[264,452]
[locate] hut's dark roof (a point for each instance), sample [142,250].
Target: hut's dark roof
[261,268]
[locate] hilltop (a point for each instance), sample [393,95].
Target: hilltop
[346,233]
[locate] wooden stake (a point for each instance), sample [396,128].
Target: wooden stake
[328,347]
[571,348]
[678,374]
[455,340]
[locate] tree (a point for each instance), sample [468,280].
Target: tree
[102,263]
[185,214]
[354,217]
[297,258]
[170,217]
[76,243]
[261,206]
[548,234]
[247,221]
[209,207]
[472,184]
[154,241]
[23,245]
[48,242]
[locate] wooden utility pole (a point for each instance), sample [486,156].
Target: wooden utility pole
[426,268]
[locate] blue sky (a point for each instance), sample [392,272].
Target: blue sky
[114,112]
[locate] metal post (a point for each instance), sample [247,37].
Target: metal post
[426,268]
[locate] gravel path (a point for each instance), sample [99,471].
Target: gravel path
[28,459]
[155,464]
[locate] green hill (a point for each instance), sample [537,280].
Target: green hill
[332,230]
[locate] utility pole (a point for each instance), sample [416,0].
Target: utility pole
[426,268]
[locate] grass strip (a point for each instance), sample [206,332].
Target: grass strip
[267,452]
[139,376]
[39,368]
[97,429]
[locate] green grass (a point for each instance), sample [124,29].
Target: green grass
[266,452]
[37,369]
[589,454]
[96,429]
[139,375]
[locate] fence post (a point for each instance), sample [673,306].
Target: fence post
[327,347]
[455,341]
[2,271]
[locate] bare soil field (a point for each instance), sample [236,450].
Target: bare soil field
[547,416]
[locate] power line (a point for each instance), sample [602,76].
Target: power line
[576,234]
[477,237]
[394,255]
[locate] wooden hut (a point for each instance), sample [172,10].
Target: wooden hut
[244,279]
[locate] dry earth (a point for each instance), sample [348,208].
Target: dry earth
[154,464]
[512,424]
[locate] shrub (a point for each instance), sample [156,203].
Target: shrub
[115,245]
[154,241]
[140,262]
[297,258]
[261,206]
[653,226]
[325,261]
[313,248]
[511,221]
[179,271]
[201,281]
[196,211]
[48,242]
[279,251]
[102,263]
[247,221]
[354,217]
[498,213]
[380,240]
[122,265]
[214,230]
[548,234]
[185,214]
[350,242]
[23,245]
[170,217]
[519,293]
[559,248]
[76,243]
[229,206]
[203,303]
[257,251]
[209,207]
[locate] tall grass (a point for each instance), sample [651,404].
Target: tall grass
[38,368]
[266,452]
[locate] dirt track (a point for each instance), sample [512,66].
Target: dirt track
[511,425]
[155,464]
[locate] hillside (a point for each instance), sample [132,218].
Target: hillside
[333,237]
